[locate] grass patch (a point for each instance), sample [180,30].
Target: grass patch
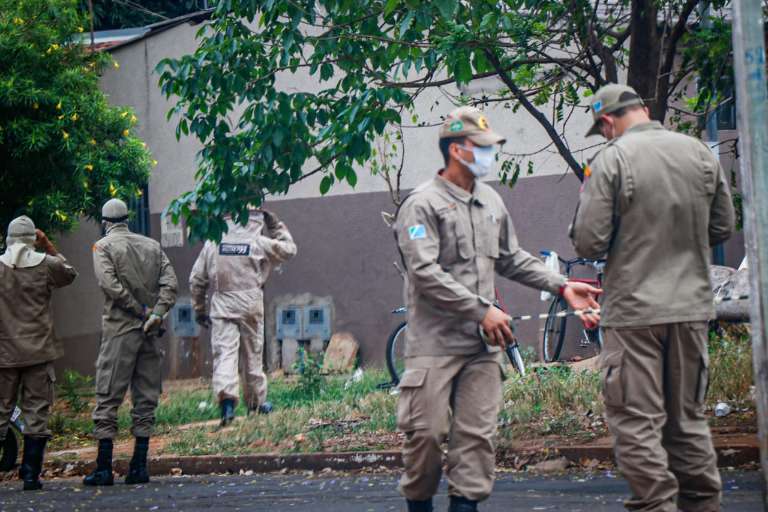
[340,413]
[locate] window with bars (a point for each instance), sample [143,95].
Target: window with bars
[139,207]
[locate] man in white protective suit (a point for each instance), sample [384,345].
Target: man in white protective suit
[235,271]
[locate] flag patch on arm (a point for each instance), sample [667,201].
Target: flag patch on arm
[417,232]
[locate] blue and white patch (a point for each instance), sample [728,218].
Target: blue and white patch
[596,106]
[417,232]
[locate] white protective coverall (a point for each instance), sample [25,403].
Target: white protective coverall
[235,271]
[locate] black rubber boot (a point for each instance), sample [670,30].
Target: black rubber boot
[227,411]
[32,462]
[461,504]
[419,506]
[102,475]
[137,469]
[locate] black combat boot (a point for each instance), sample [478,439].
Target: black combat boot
[32,462]
[461,504]
[420,506]
[265,408]
[102,475]
[137,469]
[227,411]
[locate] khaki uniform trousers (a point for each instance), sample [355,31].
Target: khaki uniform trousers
[655,382]
[455,398]
[32,387]
[130,359]
[238,344]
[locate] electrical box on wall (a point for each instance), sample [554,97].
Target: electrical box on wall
[317,322]
[183,321]
[289,322]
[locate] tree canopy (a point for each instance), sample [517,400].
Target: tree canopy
[63,149]
[372,59]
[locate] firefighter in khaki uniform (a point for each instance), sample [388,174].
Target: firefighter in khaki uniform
[236,270]
[454,233]
[139,288]
[28,345]
[656,201]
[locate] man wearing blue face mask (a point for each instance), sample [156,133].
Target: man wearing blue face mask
[454,234]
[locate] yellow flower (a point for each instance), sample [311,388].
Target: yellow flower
[116,64]
[123,114]
[61,117]
[62,216]
[64,134]
[93,142]
[112,190]
[126,133]
[88,167]
[134,119]
[154,163]
[58,105]
[18,21]
[80,29]
[75,117]
[139,193]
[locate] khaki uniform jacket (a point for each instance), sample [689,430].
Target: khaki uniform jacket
[654,205]
[26,322]
[136,277]
[237,268]
[452,242]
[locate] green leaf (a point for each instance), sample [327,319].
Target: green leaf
[325,184]
[390,6]
[447,8]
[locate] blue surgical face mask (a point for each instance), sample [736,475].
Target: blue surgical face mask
[485,157]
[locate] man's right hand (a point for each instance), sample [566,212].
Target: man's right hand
[270,219]
[203,320]
[42,243]
[496,327]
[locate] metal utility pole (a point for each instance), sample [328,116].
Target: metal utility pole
[752,112]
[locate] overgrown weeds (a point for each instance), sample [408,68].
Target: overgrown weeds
[316,412]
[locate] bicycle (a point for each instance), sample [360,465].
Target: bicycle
[556,324]
[10,448]
[395,354]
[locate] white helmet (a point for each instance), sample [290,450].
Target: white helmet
[114,210]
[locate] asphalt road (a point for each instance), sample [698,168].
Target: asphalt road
[358,493]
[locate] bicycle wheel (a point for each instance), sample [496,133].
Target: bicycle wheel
[396,353]
[10,449]
[596,338]
[513,353]
[554,331]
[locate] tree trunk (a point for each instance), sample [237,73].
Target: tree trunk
[645,57]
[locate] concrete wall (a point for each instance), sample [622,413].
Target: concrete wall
[345,250]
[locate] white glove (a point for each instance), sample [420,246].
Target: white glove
[152,323]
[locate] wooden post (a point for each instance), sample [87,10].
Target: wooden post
[752,108]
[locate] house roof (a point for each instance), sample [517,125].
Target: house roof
[107,40]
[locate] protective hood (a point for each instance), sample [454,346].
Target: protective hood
[21,253]
[250,231]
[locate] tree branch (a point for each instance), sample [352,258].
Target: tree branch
[538,115]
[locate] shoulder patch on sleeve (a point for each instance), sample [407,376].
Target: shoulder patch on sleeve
[417,232]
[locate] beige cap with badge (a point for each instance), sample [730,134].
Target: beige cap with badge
[471,123]
[610,98]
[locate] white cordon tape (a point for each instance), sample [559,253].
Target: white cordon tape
[581,312]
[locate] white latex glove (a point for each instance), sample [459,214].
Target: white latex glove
[152,323]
